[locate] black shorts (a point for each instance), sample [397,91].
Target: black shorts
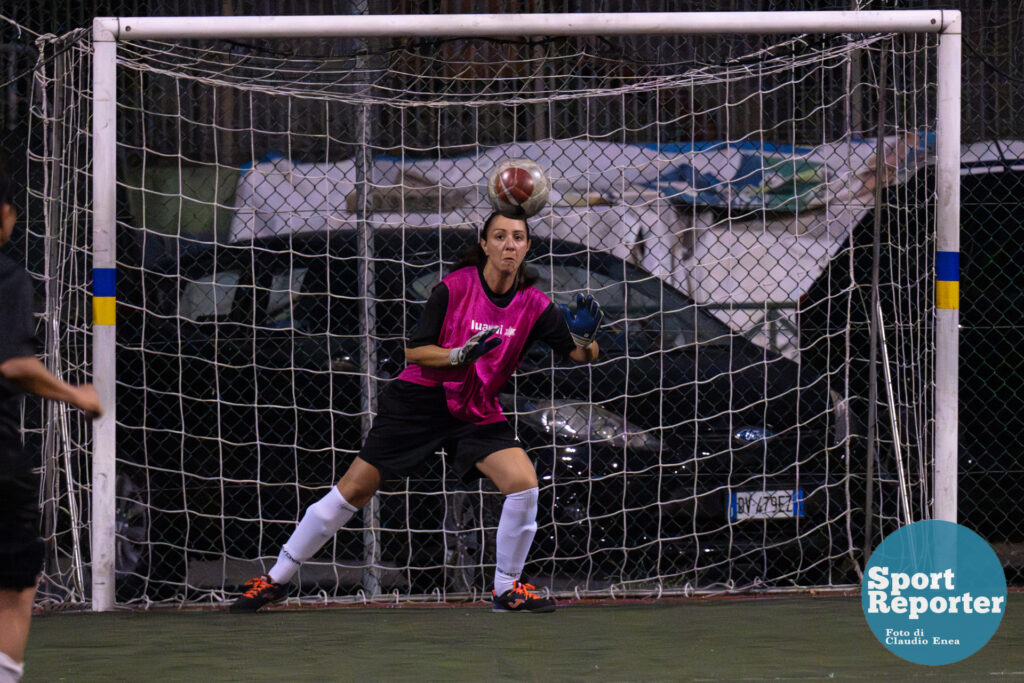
[413,423]
[21,549]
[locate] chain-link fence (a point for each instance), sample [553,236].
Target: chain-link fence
[208,160]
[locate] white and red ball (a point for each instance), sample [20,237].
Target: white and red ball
[518,188]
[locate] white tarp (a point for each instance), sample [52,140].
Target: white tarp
[725,223]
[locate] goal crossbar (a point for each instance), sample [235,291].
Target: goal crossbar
[463,25]
[109,31]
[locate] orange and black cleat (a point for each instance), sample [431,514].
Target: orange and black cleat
[259,592]
[520,598]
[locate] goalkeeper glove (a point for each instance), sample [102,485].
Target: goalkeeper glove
[479,344]
[584,322]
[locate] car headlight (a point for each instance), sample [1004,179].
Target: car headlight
[577,422]
[744,436]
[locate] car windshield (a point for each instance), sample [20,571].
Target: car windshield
[634,301]
[209,297]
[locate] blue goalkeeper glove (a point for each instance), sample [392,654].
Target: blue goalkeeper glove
[479,344]
[584,322]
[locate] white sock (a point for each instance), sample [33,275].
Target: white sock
[10,671]
[516,528]
[321,521]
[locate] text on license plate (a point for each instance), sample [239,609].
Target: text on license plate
[766,504]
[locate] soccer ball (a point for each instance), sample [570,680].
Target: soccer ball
[518,188]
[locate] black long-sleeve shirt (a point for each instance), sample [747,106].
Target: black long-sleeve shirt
[550,328]
[17,339]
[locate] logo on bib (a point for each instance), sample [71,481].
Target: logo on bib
[502,330]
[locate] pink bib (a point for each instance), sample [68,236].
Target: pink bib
[472,390]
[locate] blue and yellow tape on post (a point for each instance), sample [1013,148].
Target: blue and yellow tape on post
[104,296]
[947,276]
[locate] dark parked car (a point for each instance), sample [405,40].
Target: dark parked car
[686,454]
[991,463]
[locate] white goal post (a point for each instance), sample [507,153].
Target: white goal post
[110,33]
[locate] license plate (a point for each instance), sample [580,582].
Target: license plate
[766,504]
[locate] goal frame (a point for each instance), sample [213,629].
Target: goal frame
[107,32]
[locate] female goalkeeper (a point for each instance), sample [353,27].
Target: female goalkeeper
[476,326]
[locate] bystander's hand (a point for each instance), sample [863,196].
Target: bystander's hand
[85,398]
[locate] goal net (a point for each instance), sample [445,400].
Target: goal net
[760,412]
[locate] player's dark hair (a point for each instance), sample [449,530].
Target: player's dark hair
[474,255]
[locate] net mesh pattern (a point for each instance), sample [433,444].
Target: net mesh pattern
[284,209]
